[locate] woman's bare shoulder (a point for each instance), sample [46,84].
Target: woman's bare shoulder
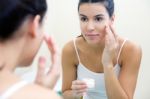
[131,51]
[68,47]
[69,55]
[33,91]
[132,46]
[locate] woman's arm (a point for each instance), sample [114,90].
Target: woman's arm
[69,70]
[124,86]
[71,87]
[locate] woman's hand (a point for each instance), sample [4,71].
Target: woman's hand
[49,79]
[79,88]
[111,44]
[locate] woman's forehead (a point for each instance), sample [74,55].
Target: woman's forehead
[92,8]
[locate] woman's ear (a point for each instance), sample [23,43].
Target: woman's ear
[35,26]
[112,19]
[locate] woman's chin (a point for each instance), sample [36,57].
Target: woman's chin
[93,41]
[27,63]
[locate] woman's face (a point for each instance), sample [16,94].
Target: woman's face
[93,19]
[33,41]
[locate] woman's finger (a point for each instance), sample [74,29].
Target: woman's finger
[53,74]
[77,85]
[113,31]
[78,82]
[51,46]
[41,70]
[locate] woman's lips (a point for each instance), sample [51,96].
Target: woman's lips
[91,35]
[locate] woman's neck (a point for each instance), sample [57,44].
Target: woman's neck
[97,48]
[9,56]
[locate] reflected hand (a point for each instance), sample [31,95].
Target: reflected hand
[111,44]
[50,78]
[79,88]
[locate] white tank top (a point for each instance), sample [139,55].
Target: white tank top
[99,91]
[10,91]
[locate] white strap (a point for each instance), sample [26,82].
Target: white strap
[74,42]
[120,50]
[13,89]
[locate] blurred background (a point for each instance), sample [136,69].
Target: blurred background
[132,21]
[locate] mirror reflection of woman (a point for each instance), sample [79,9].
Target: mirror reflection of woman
[101,54]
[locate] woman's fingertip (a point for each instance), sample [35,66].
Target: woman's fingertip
[42,59]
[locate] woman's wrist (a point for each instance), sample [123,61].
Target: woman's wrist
[108,67]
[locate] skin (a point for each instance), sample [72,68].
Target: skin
[20,51]
[100,42]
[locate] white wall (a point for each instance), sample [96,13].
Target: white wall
[132,22]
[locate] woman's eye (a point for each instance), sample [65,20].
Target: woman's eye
[98,19]
[83,19]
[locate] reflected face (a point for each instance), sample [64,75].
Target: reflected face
[93,19]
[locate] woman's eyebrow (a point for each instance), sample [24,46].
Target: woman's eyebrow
[99,15]
[83,15]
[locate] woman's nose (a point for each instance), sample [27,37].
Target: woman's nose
[90,26]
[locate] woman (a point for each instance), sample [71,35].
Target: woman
[100,54]
[20,39]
